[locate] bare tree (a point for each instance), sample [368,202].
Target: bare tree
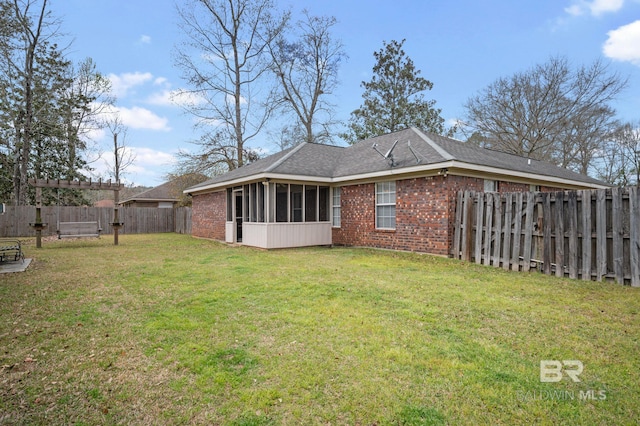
[549,112]
[215,155]
[86,101]
[620,160]
[307,69]
[288,135]
[225,64]
[123,157]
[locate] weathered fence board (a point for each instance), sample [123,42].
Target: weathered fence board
[479,222]
[517,233]
[506,244]
[618,234]
[546,214]
[498,236]
[137,220]
[601,234]
[580,234]
[559,235]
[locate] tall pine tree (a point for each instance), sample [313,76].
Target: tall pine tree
[394,98]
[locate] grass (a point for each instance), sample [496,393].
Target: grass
[166,329]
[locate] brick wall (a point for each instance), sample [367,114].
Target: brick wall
[421,217]
[208,215]
[425,212]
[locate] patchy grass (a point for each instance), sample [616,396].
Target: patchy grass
[166,329]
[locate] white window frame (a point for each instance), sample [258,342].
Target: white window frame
[384,199]
[336,209]
[490,185]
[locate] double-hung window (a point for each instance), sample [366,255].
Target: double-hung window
[386,205]
[335,205]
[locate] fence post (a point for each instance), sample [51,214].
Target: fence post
[479,226]
[468,225]
[517,233]
[572,210]
[634,236]
[528,232]
[601,234]
[618,247]
[559,205]
[586,234]
[498,240]
[506,246]
[546,233]
[457,231]
[488,237]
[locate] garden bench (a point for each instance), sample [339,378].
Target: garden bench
[78,229]
[10,250]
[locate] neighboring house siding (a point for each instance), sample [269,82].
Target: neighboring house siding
[151,204]
[209,215]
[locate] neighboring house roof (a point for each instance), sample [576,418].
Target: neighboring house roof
[159,193]
[415,152]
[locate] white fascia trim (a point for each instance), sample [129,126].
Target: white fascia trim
[526,176]
[464,169]
[300,178]
[260,177]
[454,167]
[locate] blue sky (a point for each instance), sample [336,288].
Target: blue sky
[460,45]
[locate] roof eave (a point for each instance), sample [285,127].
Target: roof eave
[256,178]
[453,167]
[469,169]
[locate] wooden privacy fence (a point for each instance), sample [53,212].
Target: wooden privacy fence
[589,234]
[137,220]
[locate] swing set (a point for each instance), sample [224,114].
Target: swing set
[75,229]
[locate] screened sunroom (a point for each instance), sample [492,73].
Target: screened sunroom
[272,214]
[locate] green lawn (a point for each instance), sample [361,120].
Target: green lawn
[167,329]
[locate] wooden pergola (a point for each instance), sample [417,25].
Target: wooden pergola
[38,225]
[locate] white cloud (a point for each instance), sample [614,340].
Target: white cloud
[175,98]
[121,84]
[148,157]
[161,98]
[574,10]
[623,43]
[594,7]
[144,39]
[161,81]
[140,118]
[148,167]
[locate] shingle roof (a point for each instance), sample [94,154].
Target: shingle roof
[326,161]
[158,193]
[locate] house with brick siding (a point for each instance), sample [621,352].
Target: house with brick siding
[161,196]
[395,191]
